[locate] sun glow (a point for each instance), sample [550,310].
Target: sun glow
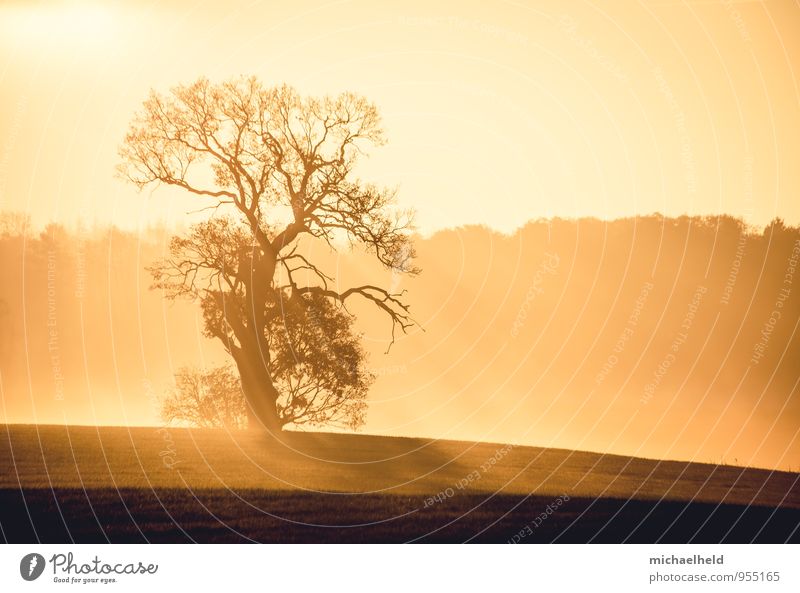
[57,23]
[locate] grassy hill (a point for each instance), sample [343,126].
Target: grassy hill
[77,483]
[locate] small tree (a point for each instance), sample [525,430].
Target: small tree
[206,398]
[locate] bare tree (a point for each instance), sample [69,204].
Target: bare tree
[275,167]
[206,398]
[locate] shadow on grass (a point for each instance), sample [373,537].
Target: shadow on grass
[216,515]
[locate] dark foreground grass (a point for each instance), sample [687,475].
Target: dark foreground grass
[148,484]
[219,515]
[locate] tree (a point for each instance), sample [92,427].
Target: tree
[275,168]
[14,224]
[208,399]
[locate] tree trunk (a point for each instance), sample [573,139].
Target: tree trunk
[260,393]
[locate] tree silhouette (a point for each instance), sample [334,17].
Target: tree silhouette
[206,398]
[275,167]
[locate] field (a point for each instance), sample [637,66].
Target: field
[113,484]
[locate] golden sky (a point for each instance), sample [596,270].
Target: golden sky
[495,112]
